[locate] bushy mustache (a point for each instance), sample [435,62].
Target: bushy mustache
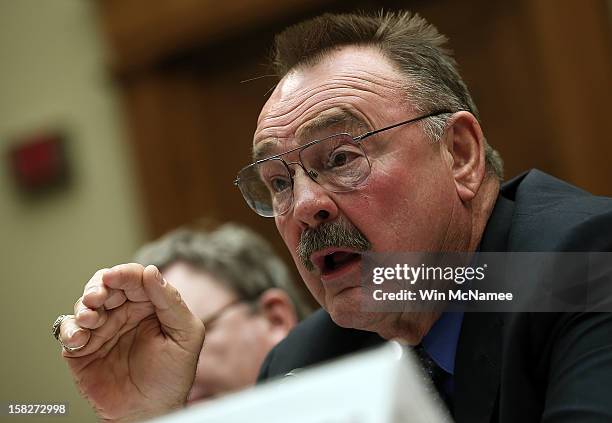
[337,233]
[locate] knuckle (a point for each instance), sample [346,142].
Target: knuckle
[99,272]
[127,270]
[95,278]
[102,318]
[82,318]
[82,309]
[136,266]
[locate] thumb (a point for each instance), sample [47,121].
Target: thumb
[177,321]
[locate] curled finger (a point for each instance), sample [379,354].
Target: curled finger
[95,292]
[73,337]
[89,318]
[115,299]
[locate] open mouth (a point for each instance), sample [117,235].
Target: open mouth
[333,261]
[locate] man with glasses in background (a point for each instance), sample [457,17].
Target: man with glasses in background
[371,142]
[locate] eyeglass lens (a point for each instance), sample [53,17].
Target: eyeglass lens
[337,163]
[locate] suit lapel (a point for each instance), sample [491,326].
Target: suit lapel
[478,359]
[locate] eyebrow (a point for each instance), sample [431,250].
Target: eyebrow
[305,132]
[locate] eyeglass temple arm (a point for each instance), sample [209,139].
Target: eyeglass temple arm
[376,131]
[215,316]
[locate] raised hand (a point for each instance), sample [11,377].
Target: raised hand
[132,345]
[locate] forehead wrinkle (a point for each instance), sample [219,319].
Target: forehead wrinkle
[298,101]
[326,119]
[367,79]
[299,106]
[358,80]
[321,121]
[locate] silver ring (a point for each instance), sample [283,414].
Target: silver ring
[71,349]
[55,330]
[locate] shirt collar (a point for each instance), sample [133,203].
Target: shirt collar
[441,341]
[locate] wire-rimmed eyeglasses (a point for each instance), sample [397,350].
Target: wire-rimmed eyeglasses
[210,320]
[338,163]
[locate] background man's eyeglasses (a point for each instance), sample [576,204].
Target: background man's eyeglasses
[338,163]
[210,320]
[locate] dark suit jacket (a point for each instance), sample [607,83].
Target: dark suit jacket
[509,367]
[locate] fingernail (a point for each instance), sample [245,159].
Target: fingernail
[159,277]
[74,333]
[92,289]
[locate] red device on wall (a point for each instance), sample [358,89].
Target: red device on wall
[39,163]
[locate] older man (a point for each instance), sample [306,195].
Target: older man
[371,142]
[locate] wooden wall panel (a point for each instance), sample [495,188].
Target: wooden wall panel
[492,47]
[140,32]
[572,42]
[191,134]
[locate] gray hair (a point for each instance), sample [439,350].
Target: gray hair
[432,79]
[243,260]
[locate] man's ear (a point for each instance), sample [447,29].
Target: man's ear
[465,144]
[278,309]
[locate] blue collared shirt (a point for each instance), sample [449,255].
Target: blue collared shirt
[441,341]
[440,344]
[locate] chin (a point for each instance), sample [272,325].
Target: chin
[389,326]
[346,310]
[354,318]
[345,320]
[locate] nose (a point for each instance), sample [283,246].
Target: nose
[312,204]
